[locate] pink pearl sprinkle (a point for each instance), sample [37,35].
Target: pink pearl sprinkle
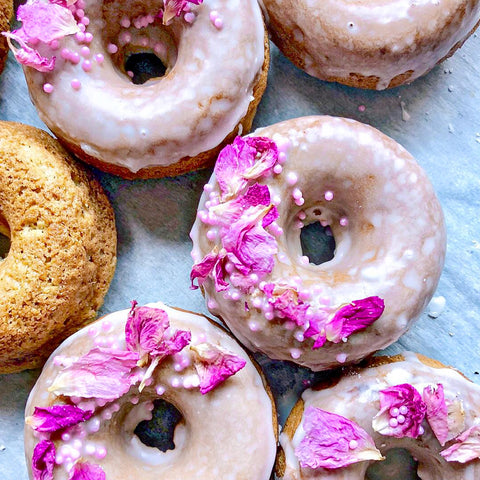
[296,194]
[282,157]
[213,15]
[277,169]
[401,419]
[76,84]
[85,21]
[112,48]
[74,57]
[344,221]
[189,17]
[80,4]
[125,22]
[87,66]
[393,422]
[403,409]
[80,13]
[65,53]
[85,52]
[218,23]
[362,108]
[353,444]
[88,37]
[101,452]
[299,201]
[80,37]
[48,88]
[292,178]
[328,195]
[81,26]
[54,45]
[394,412]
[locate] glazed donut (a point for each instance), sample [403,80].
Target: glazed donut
[408,401]
[228,421]
[386,221]
[377,44]
[62,246]
[216,59]
[6,12]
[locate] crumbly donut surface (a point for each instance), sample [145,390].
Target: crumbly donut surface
[63,246]
[6,11]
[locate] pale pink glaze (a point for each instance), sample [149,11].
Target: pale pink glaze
[212,70]
[381,38]
[356,397]
[388,227]
[227,433]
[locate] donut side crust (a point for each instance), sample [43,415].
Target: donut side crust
[63,246]
[6,12]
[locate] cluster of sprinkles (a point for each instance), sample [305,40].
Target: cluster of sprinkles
[90,386]
[332,441]
[240,216]
[46,22]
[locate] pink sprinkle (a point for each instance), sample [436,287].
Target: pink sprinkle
[295,353]
[344,221]
[99,58]
[269,315]
[393,422]
[299,336]
[328,195]
[282,157]
[80,4]
[66,437]
[85,21]
[299,201]
[89,449]
[80,37]
[112,48]
[54,45]
[80,13]
[160,390]
[85,52]
[362,108]
[88,37]
[189,17]
[101,452]
[144,42]
[302,215]
[74,57]
[353,444]
[403,410]
[296,194]
[305,260]
[218,23]
[65,53]
[48,88]
[277,169]
[76,84]
[134,400]
[394,412]
[421,430]
[292,178]
[81,26]
[125,22]
[401,419]
[130,73]
[213,15]
[125,37]
[211,234]
[341,357]
[87,66]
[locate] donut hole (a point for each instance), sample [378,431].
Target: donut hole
[159,431]
[317,242]
[4,238]
[143,66]
[398,465]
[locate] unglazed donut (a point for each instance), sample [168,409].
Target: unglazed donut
[370,44]
[386,221]
[6,12]
[62,246]
[407,401]
[216,54]
[229,421]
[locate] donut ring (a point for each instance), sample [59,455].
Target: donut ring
[62,246]
[356,398]
[375,45]
[171,124]
[6,12]
[238,413]
[386,221]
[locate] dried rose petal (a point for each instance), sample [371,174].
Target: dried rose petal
[456,418]
[45,21]
[266,158]
[286,302]
[465,448]
[402,411]
[437,413]
[214,365]
[43,460]
[57,417]
[101,373]
[316,328]
[28,56]
[332,441]
[174,8]
[86,471]
[357,315]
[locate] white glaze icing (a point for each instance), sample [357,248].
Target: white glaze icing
[381,38]
[356,397]
[187,112]
[393,266]
[227,433]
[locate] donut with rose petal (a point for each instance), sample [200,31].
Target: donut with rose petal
[385,218]
[411,402]
[144,89]
[101,384]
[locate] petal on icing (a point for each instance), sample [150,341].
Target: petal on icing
[437,413]
[332,441]
[28,56]
[316,328]
[357,315]
[214,365]
[202,269]
[101,373]
[46,21]
[456,418]
[402,411]
[43,460]
[266,156]
[466,447]
[57,417]
[87,471]
[286,303]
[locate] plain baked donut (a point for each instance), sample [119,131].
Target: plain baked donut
[216,55]
[226,432]
[62,246]
[370,44]
[441,413]
[6,12]
[386,221]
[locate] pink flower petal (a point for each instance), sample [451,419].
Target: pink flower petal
[214,365]
[266,157]
[43,460]
[101,373]
[28,56]
[466,447]
[402,411]
[437,413]
[286,303]
[86,471]
[57,417]
[332,441]
[45,21]
[357,315]
[174,8]
[212,263]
